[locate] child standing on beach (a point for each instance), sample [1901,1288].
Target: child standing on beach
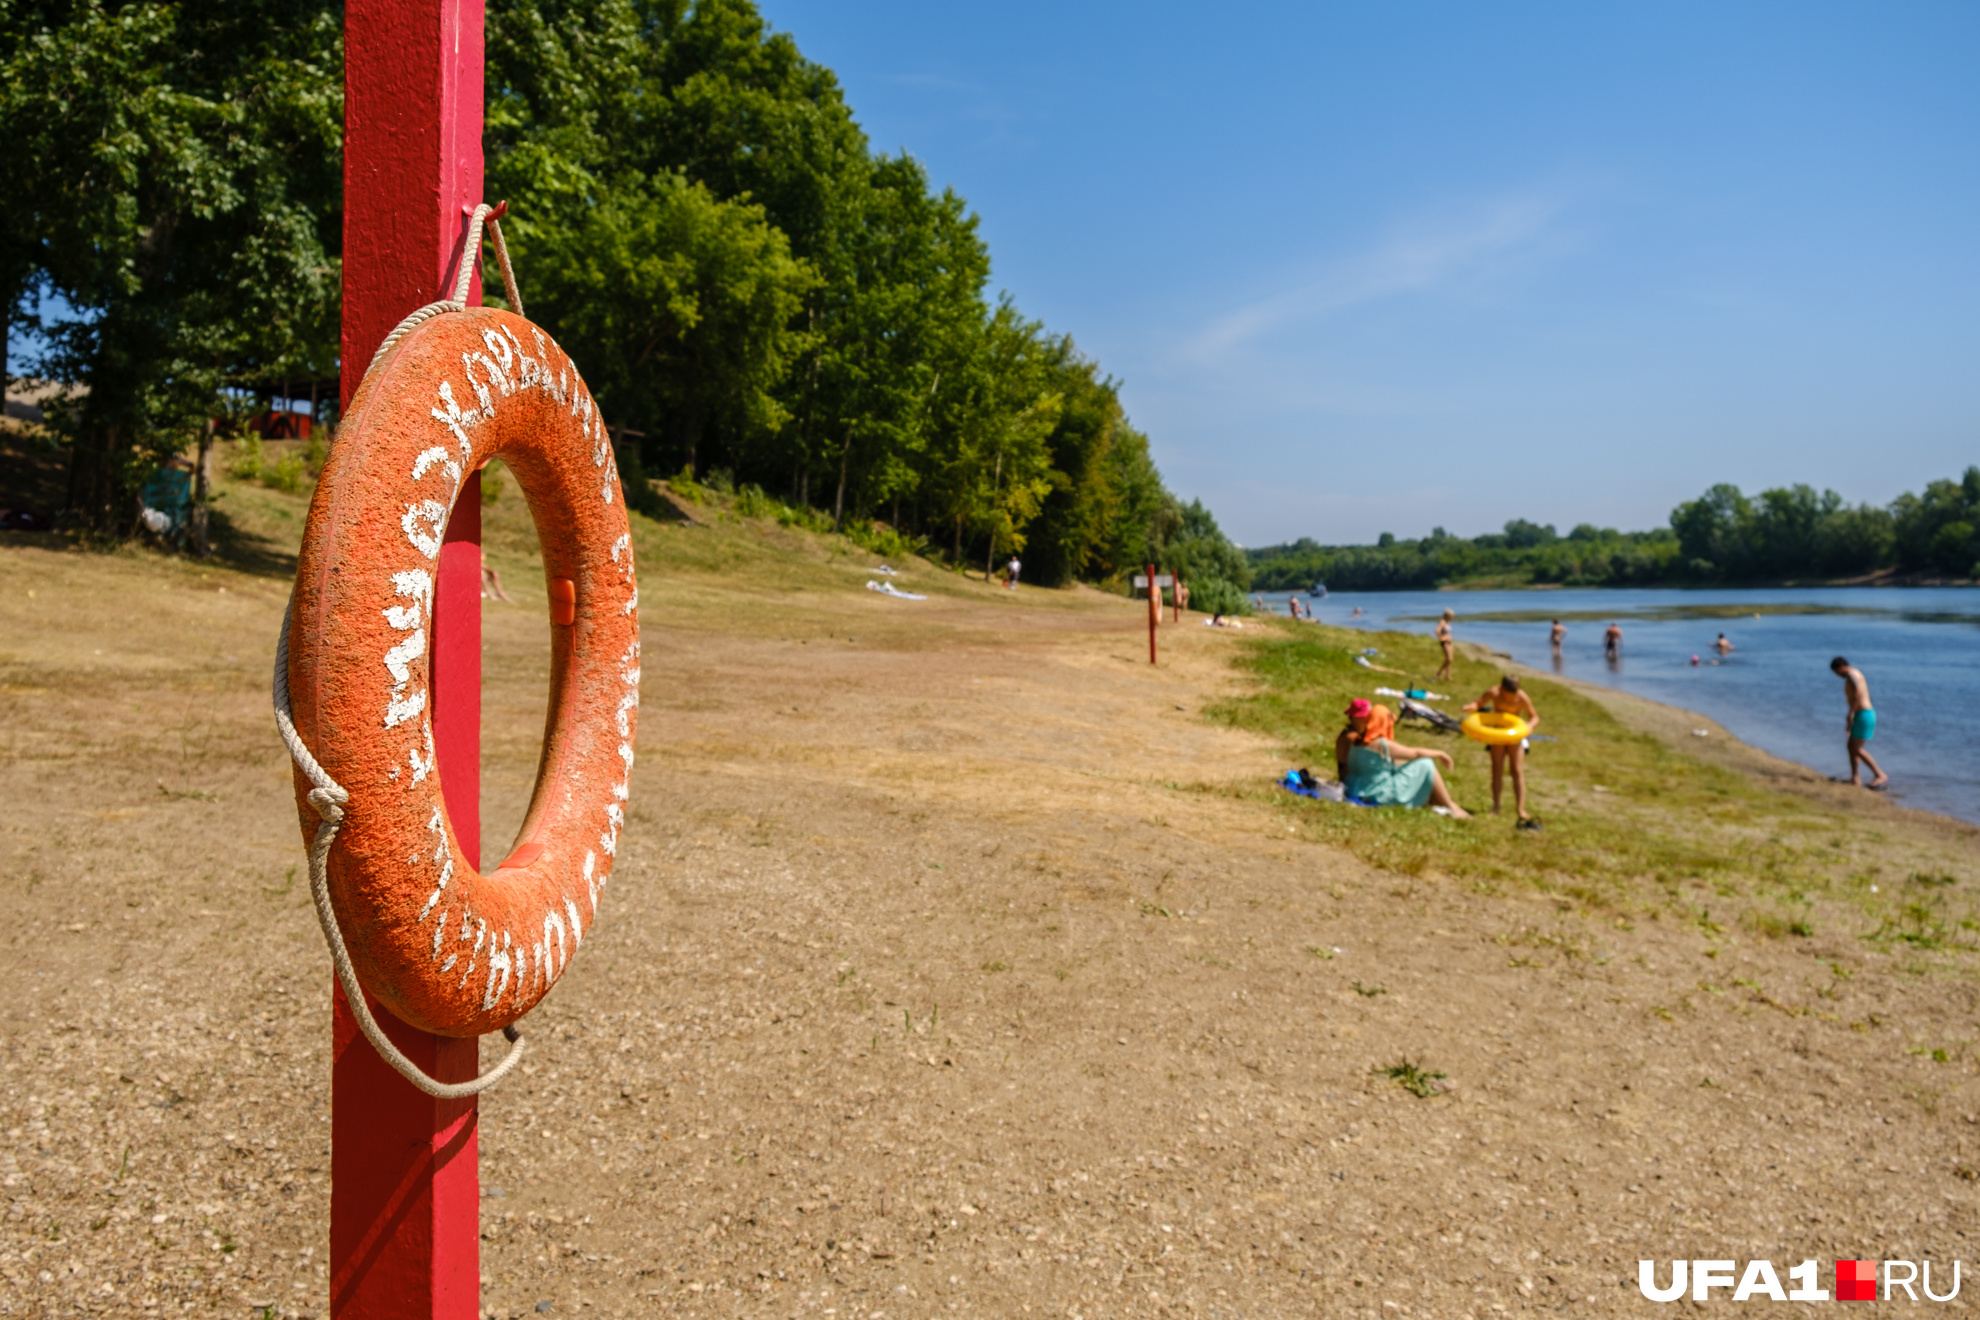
[1508,699]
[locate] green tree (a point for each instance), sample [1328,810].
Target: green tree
[1934,529]
[1523,535]
[900,333]
[651,148]
[991,468]
[1855,540]
[1217,573]
[1714,533]
[1068,537]
[679,306]
[1138,513]
[653,87]
[181,197]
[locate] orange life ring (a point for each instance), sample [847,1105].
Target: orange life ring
[449,949]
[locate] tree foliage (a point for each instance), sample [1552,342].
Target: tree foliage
[177,190]
[853,362]
[695,213]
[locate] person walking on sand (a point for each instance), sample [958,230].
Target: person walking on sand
[1444,640]
[1508,699]
[1861,722]
[1011,573]
[1612,642]
[491,581]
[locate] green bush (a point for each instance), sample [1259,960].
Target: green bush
[883,540]
[1213,595]
[287,475]
[751,502]
[811,520]
[683,484]
[248,459]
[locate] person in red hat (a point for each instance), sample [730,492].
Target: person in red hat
[1377,769]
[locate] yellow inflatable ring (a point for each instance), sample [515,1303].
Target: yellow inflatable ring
[1494,729]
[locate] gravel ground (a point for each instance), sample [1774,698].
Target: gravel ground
[952,970]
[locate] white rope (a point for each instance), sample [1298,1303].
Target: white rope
[470,256]
[425,313]
[508,271]
[327,797]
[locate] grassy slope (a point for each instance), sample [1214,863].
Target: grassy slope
[1672,833]
[753,570]
[1667,835]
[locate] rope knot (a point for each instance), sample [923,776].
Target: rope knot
[329,802]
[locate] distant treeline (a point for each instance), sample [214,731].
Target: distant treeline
[1789,534]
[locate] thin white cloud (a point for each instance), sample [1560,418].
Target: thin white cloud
[1418,258]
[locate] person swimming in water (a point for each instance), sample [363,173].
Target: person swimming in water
[1861,722]
[1612,642]
[1722,646]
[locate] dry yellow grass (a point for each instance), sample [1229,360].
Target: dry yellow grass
[953,966]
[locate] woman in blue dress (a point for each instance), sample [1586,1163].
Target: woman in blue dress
[1379,770]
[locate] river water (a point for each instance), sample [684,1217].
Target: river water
[1916,646]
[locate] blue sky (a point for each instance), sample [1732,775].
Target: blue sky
[1368,268]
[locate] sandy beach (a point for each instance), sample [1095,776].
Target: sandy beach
[956,963]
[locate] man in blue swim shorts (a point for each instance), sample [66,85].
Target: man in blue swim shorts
[1861,722]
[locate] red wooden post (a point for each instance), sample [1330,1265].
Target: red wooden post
[405,1192]
[1154,611]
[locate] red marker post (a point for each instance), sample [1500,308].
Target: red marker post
[405,1190]
[1154,611]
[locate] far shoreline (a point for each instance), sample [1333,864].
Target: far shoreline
[1878,583]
